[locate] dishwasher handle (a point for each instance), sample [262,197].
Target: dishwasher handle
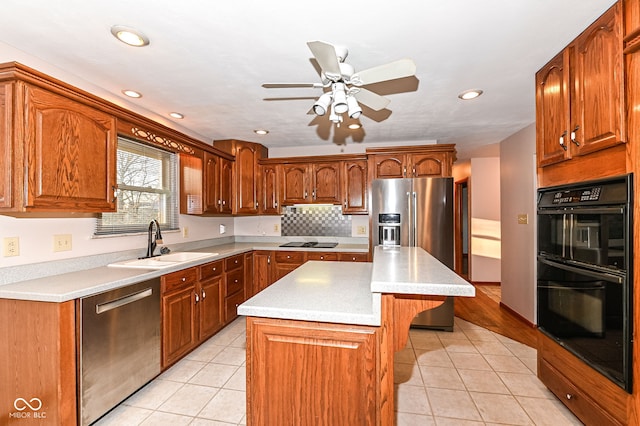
[134,297]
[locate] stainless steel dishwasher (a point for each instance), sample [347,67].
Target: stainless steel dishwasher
[119,346]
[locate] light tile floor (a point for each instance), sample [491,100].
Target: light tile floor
[469,377]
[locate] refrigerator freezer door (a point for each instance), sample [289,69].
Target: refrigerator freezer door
[391,196]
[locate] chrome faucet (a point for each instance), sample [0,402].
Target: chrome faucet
[151,241]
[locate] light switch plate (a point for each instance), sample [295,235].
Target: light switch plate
[11,246]
[61,242]
[361,230]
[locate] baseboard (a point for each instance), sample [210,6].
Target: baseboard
[515,314]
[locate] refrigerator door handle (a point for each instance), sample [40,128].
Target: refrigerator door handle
[414,207]
[410,219]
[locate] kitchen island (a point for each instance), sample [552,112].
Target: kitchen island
[321,341]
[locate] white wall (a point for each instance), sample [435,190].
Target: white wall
[484,194]
[518,187]
[36,237]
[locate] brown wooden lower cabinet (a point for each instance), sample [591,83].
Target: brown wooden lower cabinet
[37,360]
[347,369]
[589,395]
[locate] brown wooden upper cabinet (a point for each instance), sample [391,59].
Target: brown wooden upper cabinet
[354,186]
[411,161]
[206,185]
[57,150]
[246,173]
[579,94]
[269,198]
[311,183]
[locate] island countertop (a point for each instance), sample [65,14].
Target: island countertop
[350,293]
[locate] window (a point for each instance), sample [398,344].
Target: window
[147,190]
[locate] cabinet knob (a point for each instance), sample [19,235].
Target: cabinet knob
[219,202]
[235,281]
[214,268]
[288,257]
[404,171]
[321,257]
[268,260]
[235,261]
[569,396]
[183,279]
[196,297]
[203,294]
[115,193]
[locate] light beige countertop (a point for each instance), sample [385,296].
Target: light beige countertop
[350,293]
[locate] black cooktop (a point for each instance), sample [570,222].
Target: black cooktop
[309,244]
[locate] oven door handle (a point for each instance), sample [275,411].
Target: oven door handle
[580,210]
[593,274]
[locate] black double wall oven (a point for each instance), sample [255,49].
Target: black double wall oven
[584,272]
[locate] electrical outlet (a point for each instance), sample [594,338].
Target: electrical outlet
[523,219]
[223,229]
[11,246]
[62,242]
[276,227]
[185,232]
[361,230]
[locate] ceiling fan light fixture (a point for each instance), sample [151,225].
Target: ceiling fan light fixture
[355,126]
[339,98]
[322,104]
[129,36]
[354,107]
[470,94]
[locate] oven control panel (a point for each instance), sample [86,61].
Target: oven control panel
[576,196]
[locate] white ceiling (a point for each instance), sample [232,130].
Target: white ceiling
[208,58]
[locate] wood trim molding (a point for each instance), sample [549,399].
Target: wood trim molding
[312,159]
[162,141]
[520,317]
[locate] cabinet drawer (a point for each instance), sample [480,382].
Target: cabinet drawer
[235,282]
[290,257]
[579,403]
[178,279]
[353,257]
[322,256]
[231,305]
[210,270]
[234,262]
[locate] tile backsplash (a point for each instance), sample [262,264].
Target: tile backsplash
[315,221]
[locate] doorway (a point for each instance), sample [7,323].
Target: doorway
[461,229]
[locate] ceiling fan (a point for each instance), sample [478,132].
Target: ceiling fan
[343,87]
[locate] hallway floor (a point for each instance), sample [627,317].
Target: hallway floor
[471,376]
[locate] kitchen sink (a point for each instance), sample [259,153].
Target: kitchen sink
[164,261]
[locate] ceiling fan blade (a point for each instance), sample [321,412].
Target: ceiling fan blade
[372,100]
[391,71]
[327,58]
[291,85]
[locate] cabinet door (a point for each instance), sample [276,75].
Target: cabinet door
[226,186]
[354,190]
[269,198]
[71,154]
[262,271]
[326,183]
[429,165]
[212,184]
[295,184]
[552,111]
[388,166]
[299,372]
[246,179]
[6,146]
[210,305]
[191,184]
[597,100]
[179,320]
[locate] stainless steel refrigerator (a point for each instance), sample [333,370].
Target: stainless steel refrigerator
[417,212]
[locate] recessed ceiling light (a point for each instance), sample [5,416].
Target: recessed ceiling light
[176,115]
[355,126]
[470,94]
[132,93]
[129,36]
[260,132]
